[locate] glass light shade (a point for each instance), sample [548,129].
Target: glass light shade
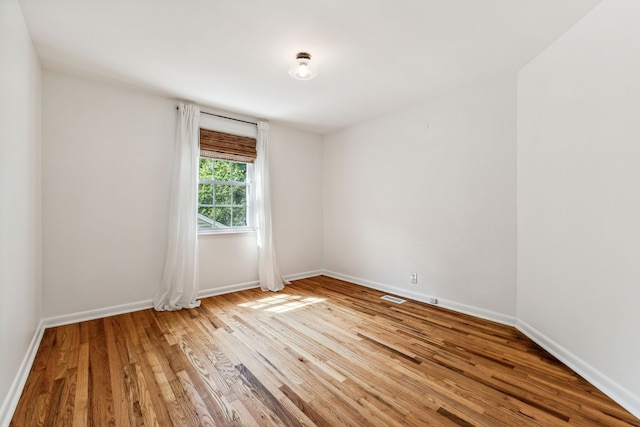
[302,68]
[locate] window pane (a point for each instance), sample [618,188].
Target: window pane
[205,194]
[223,194]
[239,217]
[223,217]
[222,205]
[206,168]
[221,170]
[239,196]
[205,218]
[239,172]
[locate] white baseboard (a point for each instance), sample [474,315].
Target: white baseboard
[304,275]
[98,313]
[206,293]
[615,391]
[451,305]
[254,284]
[482,313]
[15,391]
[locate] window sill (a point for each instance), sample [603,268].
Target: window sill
[233,232]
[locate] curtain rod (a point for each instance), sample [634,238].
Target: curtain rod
[225,117]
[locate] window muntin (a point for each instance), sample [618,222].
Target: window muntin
[224,195]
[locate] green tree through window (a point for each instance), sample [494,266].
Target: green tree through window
[222,194]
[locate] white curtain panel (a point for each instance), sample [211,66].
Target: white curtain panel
[179,286]
[270,277]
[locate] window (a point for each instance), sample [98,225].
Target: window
[224,182]
[223,194]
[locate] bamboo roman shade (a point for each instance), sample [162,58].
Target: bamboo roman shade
[224,146]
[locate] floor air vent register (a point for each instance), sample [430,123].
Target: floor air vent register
[393,299]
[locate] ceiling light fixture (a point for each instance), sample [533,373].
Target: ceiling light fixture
[302,68]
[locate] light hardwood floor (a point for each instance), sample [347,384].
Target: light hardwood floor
[321,352]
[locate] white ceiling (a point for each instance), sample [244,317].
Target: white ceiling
[374,56]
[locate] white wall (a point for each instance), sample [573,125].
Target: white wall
[20,207]
[579,198]
[106,170]
[295,160]
[401,198]
[106,167]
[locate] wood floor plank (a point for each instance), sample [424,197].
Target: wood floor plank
[115,368]
[101,408]
[81,396]
[205,418]
[321,352]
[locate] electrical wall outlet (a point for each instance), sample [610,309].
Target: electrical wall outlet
[414,278]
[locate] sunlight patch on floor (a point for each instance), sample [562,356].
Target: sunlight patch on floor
[281,303]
